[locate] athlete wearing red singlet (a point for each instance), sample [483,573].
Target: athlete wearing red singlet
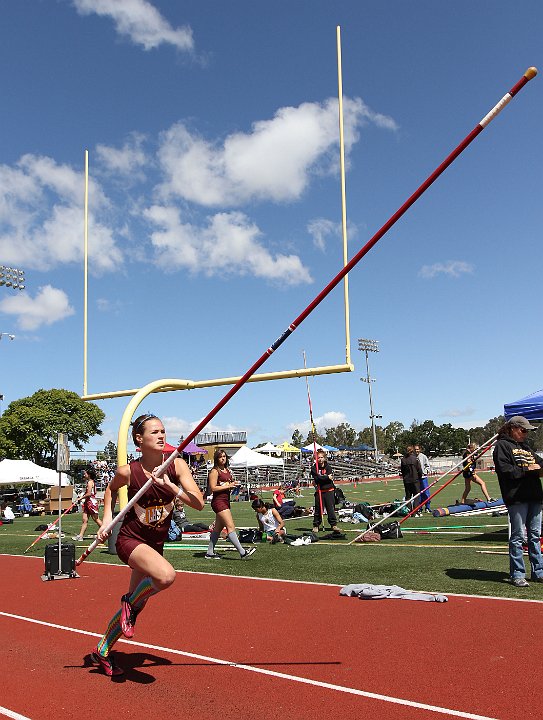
[219,483]
[144,529]
[149,519]
[90,503]
[221,498]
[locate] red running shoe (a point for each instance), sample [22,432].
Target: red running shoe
[128,616]
[107,664]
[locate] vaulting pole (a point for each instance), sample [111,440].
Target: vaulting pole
[528,75]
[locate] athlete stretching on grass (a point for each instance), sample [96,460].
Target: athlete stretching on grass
[144,529]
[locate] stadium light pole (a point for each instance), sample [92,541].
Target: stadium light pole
[367,346]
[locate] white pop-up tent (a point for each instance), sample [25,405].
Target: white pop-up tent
[268,448]
[245,457]
[13,472]
[310,448]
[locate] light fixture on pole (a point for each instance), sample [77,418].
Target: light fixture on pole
[9,335]
[12,277]
[367,346]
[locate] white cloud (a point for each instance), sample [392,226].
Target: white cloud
[228,244]
[125,162]
[140,21]
[41,217]
[320,229]
[453,268]
[273,162]
[49,306]
[330,419]
[458,412]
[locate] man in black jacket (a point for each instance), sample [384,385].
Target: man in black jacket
[519,472]
[411,471]
[321,474]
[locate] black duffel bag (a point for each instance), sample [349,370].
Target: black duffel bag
[389,531]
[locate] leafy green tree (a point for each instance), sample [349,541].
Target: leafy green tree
[342,434]
[29,426]
[320,439]
[297,439]
[392,433]
[109,454]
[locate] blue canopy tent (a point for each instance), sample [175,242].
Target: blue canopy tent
[530,407]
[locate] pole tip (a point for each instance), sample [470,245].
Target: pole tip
[530,73]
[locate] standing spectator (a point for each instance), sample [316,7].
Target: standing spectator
[321,474]
[411,472]
[220,482]
[519,473]
[90,502]
[470,475]
[425,467]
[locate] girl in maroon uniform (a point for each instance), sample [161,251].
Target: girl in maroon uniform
[220,482]
[144,529]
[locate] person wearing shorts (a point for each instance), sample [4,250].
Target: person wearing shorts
[144,529]
[219,483]
[90,502]
[468,473]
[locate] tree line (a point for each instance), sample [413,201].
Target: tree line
[29,429]
[436,440]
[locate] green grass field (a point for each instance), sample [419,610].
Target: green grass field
[435,554]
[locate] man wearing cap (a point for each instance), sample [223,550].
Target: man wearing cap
[519,472]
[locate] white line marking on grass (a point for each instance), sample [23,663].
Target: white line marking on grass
[11,714]
[263,671]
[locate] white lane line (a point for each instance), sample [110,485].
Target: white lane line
[11,714]
[270,673]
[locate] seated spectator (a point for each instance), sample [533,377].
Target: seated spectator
[269,521]
[285,507]
[25,506]
[179,516]
[8,515]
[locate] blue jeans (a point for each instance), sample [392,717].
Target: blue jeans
[425,494]
[529,515]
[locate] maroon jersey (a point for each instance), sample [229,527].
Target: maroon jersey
[221,498]
[148,520]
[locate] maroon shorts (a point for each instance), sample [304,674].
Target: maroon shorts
[220,502]
[126,544]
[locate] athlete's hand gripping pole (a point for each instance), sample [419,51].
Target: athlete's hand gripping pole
[528,75]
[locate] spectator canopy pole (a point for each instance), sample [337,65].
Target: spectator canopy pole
[528,75]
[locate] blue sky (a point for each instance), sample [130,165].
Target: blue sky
[215,204]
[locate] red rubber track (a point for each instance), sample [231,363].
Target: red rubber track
[471,655]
